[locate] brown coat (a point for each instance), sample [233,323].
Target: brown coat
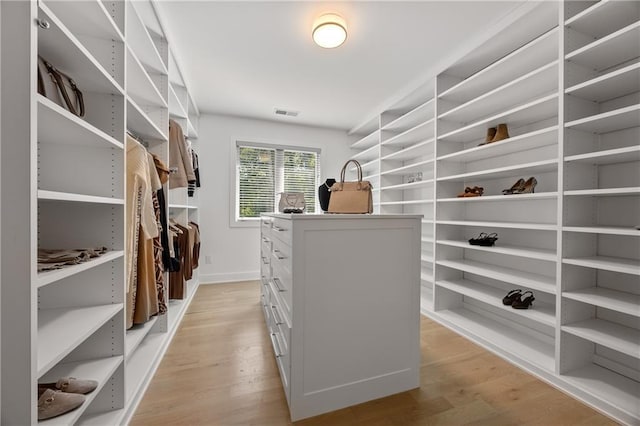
[179,160]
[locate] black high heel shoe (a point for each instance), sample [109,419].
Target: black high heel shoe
[515,188]
[524,301]
[511,296]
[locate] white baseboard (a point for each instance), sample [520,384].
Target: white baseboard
[229,277]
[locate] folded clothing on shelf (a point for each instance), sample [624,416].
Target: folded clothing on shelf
[50,259]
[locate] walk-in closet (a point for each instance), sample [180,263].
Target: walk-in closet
[148,148]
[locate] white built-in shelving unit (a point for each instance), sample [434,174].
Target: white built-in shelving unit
[71,321]
[565,78]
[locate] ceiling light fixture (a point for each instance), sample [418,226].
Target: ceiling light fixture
[329,31]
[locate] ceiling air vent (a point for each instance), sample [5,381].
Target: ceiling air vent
[280,111]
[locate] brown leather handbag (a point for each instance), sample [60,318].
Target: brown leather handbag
[351,197]
[60,88]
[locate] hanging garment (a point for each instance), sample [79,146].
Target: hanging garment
[179,162]
[156,185]
[195,259]
[196,171]
[176,278]
[141,228]
[163,174]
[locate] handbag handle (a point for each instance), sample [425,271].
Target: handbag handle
[57,76]
[344,170]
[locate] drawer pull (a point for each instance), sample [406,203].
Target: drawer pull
[279,254]
[276,347]
[278,284]
[278,229]
[276,315]
[265,260]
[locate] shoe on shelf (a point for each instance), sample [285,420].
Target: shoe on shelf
[464,194]
[524,301]
[53,404]
[476,191]
[511,296]
[515,188]
[491,133]
[501,133]
[71,385]
[485,240]
[529,186]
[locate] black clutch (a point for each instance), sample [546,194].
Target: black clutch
[324,194]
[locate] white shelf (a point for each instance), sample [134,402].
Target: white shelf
[60,331]
[531,112]
[420,132]
[141,42]
[48,277]
[411,185]
[409,169]
[605,263]
[613,49]
[135,335]
[611,335]
[404,203]
[527,252]
[426,259]
[412,151]
[507,225]
[60,46]
[412,118]
[603,17]
[609,86]
[539,312]
[176,110]
[627,303]
[498,198]
[367,141]
[500,338]
[604,384]
[370,153]
[426,239]
[59,126]
[520,143]
[96,21]
[606,192]
[139,122]
[609,230]
[518,91]
[178,206]
[100,370]
[139,84]
[610,121]
[45,195]
[539,51]
[534,167]
[529,280]
[610,156]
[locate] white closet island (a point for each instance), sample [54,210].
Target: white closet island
[341,299]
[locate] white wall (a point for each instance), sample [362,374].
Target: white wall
[234,252]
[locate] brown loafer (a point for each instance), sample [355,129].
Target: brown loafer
[71,385]
[53,404]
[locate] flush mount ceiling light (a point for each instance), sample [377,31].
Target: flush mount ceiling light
[329,31]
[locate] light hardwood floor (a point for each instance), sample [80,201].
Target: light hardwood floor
[220,370]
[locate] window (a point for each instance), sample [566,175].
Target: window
[264,171]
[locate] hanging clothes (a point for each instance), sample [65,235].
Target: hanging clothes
[196,171]
[195,258]
[179,160]
[141,228]
[158,266]
[177,281]
[163,174]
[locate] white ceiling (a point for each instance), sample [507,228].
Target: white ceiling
[247,58]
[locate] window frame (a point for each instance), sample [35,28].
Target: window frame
[234,214]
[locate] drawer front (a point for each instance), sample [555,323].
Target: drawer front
[279,324]
[266,309]
[283,359]
[265,225]
[282,287]
[281,229]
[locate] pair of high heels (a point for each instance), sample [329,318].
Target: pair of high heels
[485,240]
[522,187]
[495,134]
[469,191]
[518,300]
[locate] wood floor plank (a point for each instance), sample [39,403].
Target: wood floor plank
[220,370]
